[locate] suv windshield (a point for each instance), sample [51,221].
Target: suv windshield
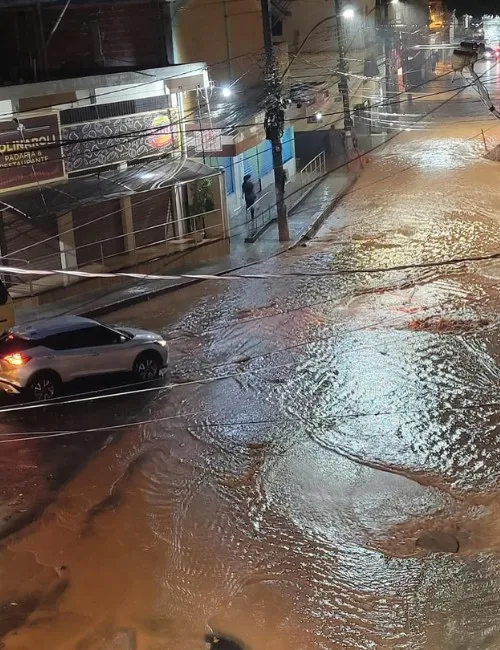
[127,335]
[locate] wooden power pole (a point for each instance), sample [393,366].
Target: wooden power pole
[275,119]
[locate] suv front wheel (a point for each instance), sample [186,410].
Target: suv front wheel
[147,366]
[43,386]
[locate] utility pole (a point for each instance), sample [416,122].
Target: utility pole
[275,119]
[227,24]
[387,54]
[343,79]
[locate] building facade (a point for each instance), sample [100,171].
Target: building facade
[93,168]
[225,124]
[52,39]
[384,57]
[313,78]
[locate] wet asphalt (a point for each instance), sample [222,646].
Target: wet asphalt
[319,468]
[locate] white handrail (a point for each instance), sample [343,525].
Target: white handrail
[317,161]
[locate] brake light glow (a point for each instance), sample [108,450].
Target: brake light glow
[16,359]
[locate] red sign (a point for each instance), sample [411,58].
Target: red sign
[164,133]
[30,152]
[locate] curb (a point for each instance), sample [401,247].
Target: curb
[309,191]
[321,216]
[306,236]
[258,234]
[134,300]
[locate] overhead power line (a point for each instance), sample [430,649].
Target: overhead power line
[374,148]
[135,135]
[234,228]
[281,350]
[99,395]
[333,170]
[250,276]
[26,436]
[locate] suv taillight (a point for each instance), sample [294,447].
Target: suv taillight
[16,359]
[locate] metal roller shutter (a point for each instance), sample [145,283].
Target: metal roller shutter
[288,145]
[265,158]
[250,163]
[153,217]
[95,237]
[227,163]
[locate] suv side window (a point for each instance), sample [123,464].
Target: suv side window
[95,336]
[88,337]
[62,341]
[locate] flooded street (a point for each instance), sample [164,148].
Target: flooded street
[320,440]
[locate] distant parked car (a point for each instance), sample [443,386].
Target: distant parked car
[492,52]
[37,360]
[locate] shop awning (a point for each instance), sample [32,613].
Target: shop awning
[59,198]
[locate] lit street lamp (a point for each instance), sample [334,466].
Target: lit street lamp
[341,12]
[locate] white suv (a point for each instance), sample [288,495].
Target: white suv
[38,359]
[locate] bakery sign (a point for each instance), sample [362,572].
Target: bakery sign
[30,152]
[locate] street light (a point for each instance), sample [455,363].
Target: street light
[348,13]
[226,91]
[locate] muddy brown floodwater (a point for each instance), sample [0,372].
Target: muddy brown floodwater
[303,500]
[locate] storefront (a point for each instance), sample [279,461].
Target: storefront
[102,186]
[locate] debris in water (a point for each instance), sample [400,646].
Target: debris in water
[446,325]
[222,643]
[494,154]
[439,542]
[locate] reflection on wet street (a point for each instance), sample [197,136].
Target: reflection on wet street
[315,434]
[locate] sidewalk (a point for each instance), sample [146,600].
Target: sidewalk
[304,220]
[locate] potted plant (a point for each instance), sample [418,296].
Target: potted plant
[202,201]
